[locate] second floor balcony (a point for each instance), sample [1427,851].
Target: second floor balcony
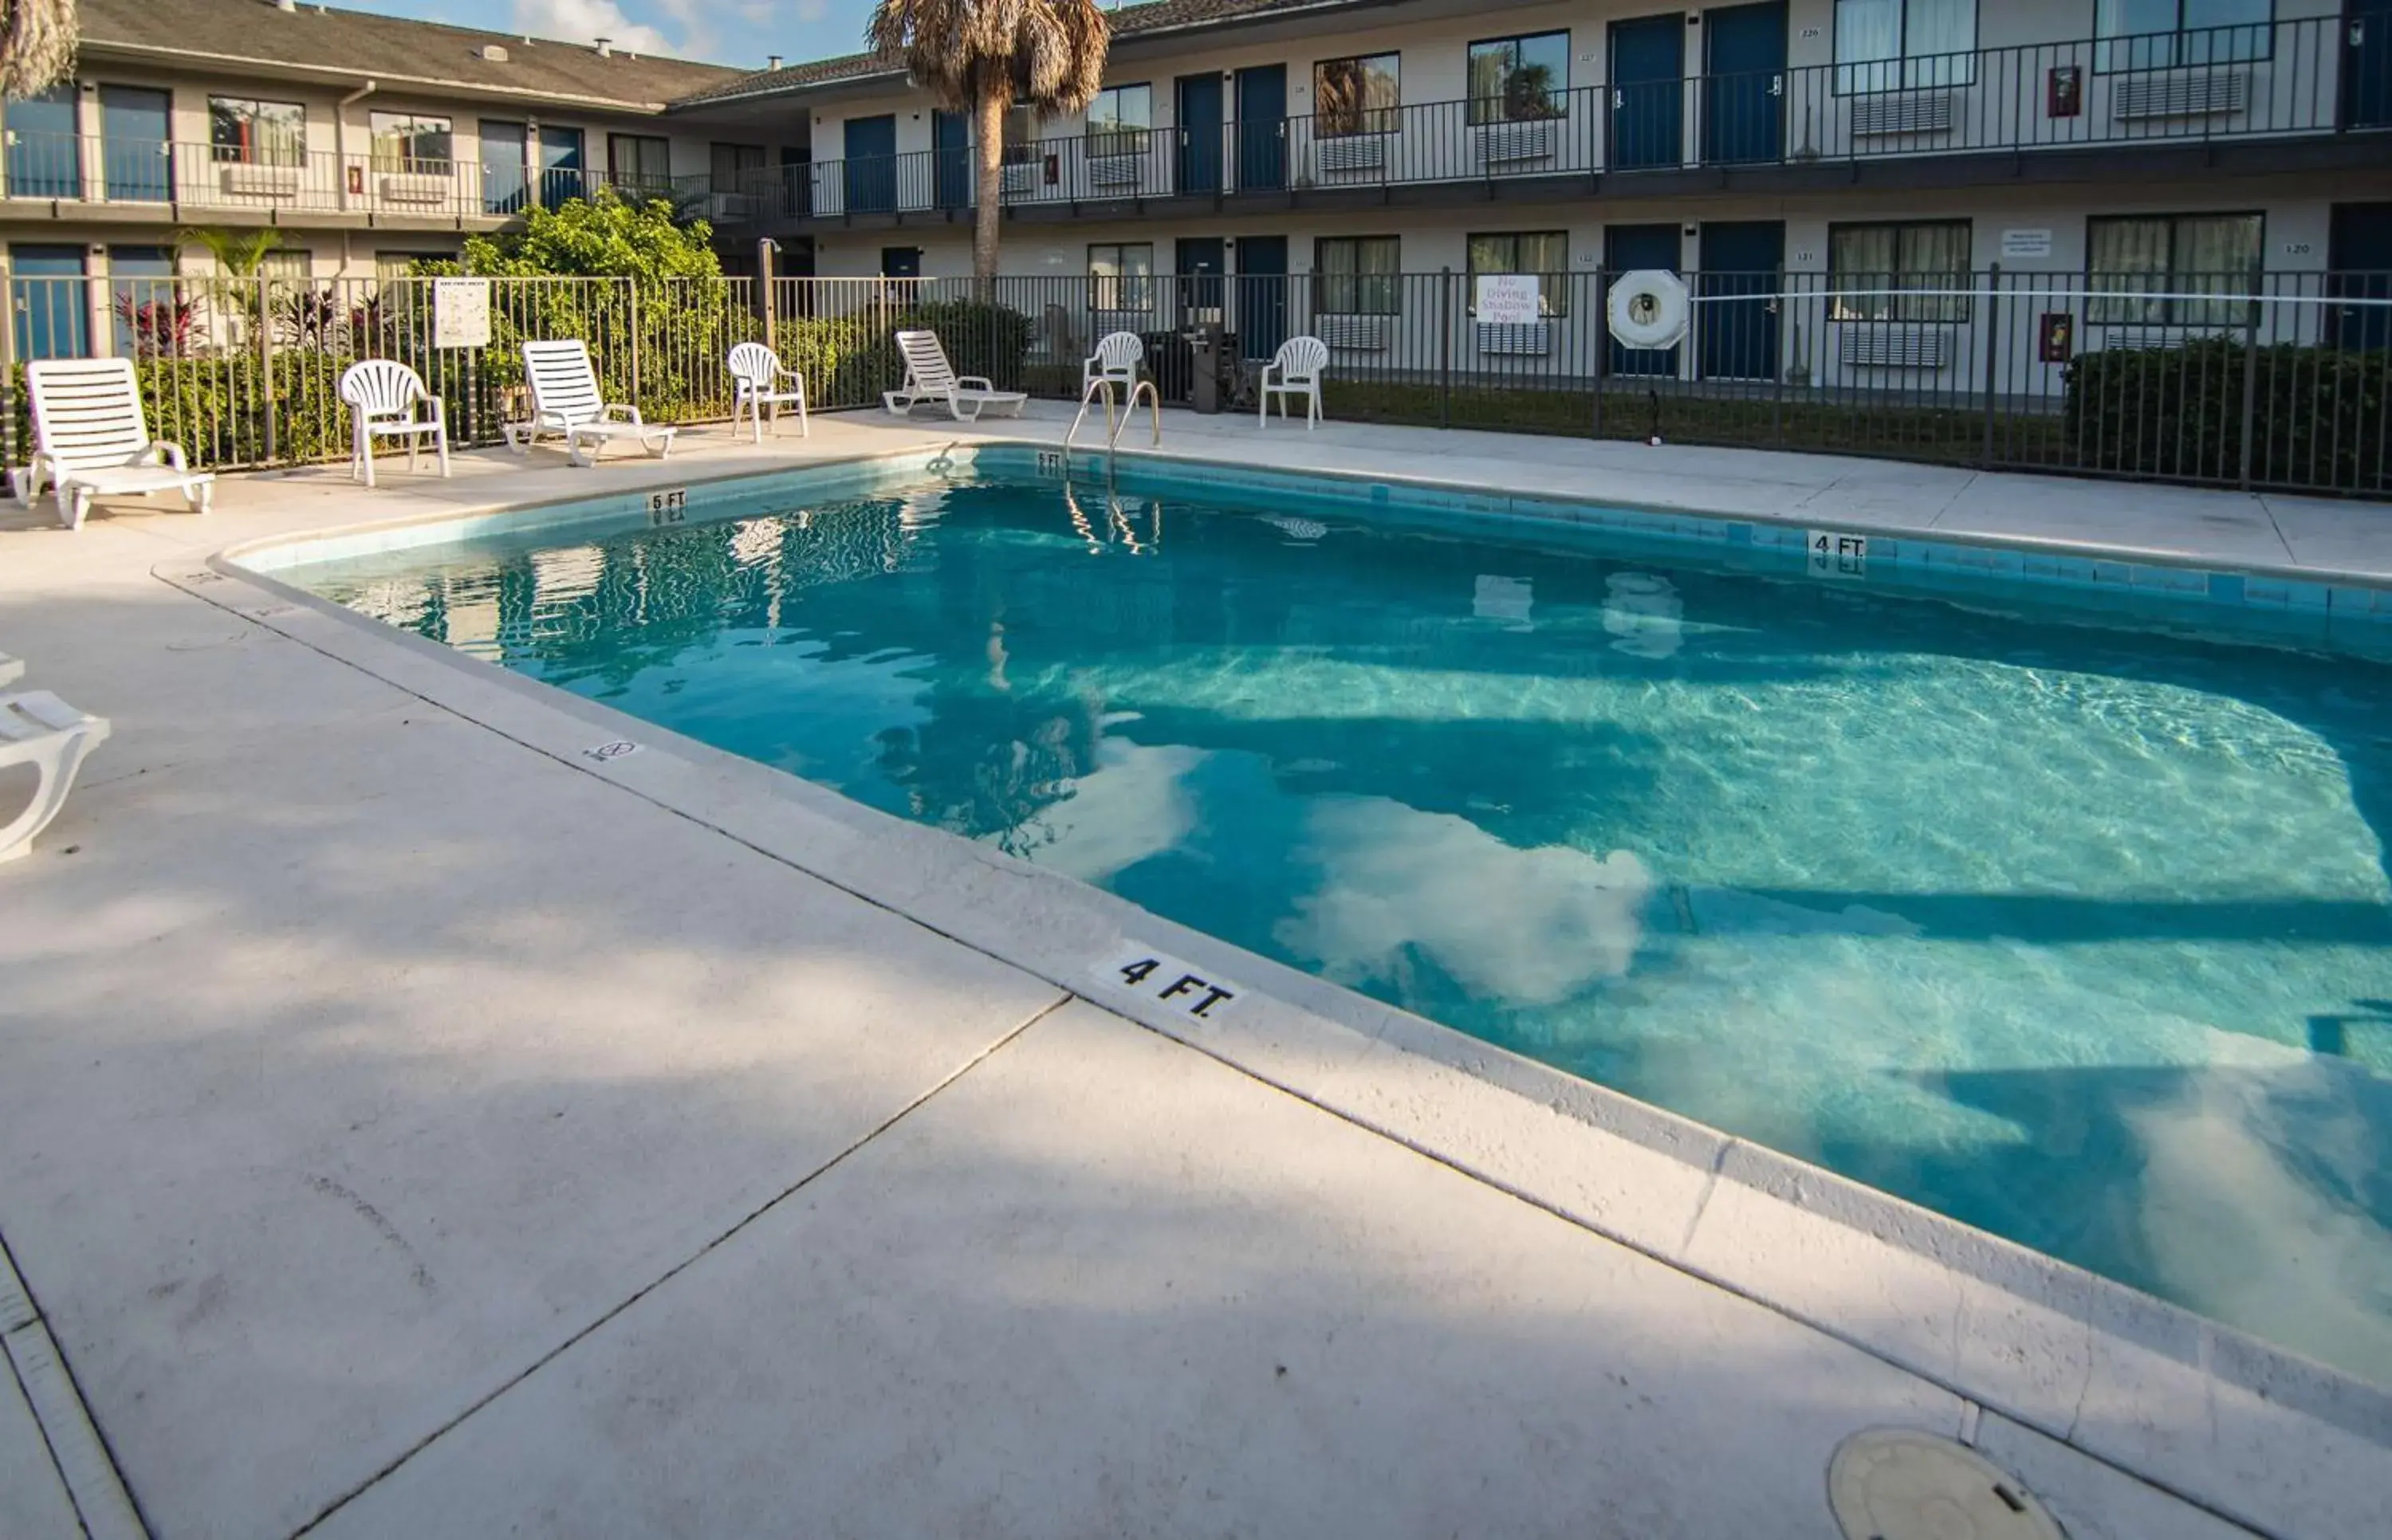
[84,174]
[2288,81]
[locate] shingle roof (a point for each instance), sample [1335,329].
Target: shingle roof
[388,48]
[1128,23]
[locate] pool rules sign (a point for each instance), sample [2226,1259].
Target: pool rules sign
[460,312]
[1181,987]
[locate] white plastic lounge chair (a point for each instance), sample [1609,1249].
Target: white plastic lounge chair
[38,729]
[564,400]
[1297,366]
[382,396]
[90,440]
[1117,358]
[930,377]
[756,375]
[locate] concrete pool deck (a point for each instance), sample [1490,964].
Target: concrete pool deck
[411,1127]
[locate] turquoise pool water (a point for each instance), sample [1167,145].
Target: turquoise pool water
[2072,923]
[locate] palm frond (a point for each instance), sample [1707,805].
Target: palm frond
[37,44]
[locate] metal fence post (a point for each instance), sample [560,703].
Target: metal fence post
[1992,332]
[266,392]
[632,287]
[2251,376]
[767,293]
[1602,345]
[1445,348]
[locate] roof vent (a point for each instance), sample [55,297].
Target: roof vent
[606,48]
[290,5]
[772,61]
[494,53]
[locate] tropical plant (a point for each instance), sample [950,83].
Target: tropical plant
[162,328]
[239,253]
[982,57]
[37,44]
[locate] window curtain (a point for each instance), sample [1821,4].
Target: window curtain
[2215,255]
[1544,253]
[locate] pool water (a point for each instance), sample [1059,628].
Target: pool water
[2077,931]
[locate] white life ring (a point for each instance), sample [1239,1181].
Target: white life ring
[1648,309]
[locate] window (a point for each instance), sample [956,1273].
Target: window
[1354,96]
[1118,120]
[1517,78]
[2156,34]
[153,318]
[411,141]
[1356,275]
[401,265]
[639,161]
[1541,254]
[286,265]
[1121,278]
[258,133]
[733,167]
[1863,261]
[1903,44]
[2142,261]
[1020,134]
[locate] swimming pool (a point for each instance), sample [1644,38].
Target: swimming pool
[2064,913]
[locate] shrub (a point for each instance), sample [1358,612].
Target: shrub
[2319,414]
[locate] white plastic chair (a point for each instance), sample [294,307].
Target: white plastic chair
[928,377]
[565,401]
[756,374]
[1117,358]
[38,729]
[382,396]
[1298,365]
[91,440]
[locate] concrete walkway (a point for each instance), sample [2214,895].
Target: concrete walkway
[408,1132]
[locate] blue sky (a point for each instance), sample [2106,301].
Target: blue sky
[722,32]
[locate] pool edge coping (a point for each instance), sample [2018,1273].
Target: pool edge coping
[1321,1043]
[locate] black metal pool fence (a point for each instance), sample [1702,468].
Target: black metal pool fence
[2272,380]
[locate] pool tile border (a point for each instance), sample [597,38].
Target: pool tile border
[2077,1357]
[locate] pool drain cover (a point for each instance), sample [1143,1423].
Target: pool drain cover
[1896,1484]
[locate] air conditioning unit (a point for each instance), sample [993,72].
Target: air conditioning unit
[1115,171]
[1902,113]
[1879,346]
[2200,94]
[1529,139]
[1535,338]
[246,179]
[1354,333]
[1351,152]
[415,189]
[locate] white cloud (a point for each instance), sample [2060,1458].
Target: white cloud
[587,21]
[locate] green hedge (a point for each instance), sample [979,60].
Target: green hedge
[2320,415]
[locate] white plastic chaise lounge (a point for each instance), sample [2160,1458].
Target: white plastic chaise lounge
[565,401]
[930,377]
[383,396]
[38,729]
[756,375]
[1295,370]
[92,440]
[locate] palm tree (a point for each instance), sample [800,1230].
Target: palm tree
[983,56]
[37,44]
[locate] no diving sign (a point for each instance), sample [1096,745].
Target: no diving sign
[1179,987]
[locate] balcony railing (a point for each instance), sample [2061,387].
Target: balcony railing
[88,169]
[2296,78]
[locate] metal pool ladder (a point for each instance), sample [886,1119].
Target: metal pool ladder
[1113,426]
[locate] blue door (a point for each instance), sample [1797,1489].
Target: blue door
[1262,127]
[1736,329]
[951,154]
[2360,255]
[871,164]
[1262,294]
[505,188]
[2367,64]
[45,157]
[1744,83]
[1635,249]
[1648,93]
[50,301]
[1200,132]
[135,163]
[1199,263]
[560,166]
